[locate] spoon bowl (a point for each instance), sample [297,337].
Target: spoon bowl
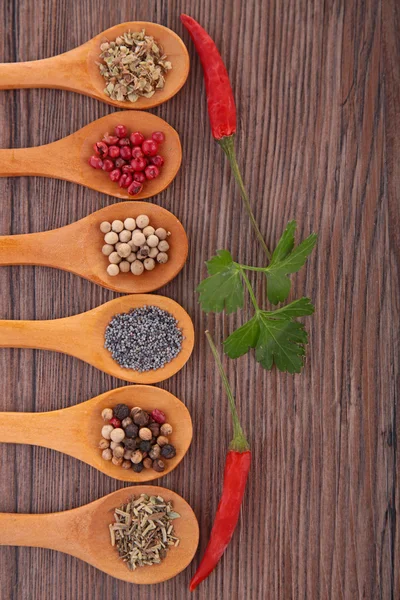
[76,430]
[77,248]
[78,71]
[68,158]
[84,533]
[82,336]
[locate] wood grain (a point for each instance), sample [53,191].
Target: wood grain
[317,86]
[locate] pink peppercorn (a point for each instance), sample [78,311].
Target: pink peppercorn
[139,176]
[137,138]
[150,147]
[114,151]
[157,160]
[125,180]
[137,152]
[135,188]
[158,416]
[126,153]
[115,175]
[115,422]
[121,131]
[151,172]
[158,137]
[108,165]
[95,162]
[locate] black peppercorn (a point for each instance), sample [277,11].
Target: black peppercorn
[168,451]
[141,418]
[131,430]
[158,465]
[155,429]
[138,441]
[121,411]
[145,446]
[138,468]
[129,443]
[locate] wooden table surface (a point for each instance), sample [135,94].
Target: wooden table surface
[317,88]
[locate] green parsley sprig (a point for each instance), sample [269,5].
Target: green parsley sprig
[277,337]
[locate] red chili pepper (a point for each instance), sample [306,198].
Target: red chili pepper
[221,103]
[221,106]
[237,468]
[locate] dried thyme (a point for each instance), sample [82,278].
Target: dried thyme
[133,65]
[143,531]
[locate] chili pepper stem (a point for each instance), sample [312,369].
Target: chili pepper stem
[239,442]
[228,146]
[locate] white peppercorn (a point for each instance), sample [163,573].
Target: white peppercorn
[106,454]
[107,414]
[107,249]
[133,247]
[142,221]
[113,445]
[128,454]
[163,246]
[137,268]
[117,245]
[137,457]
[149,230]
[117,461]
[113,270]
[153,241]
[162,258]
[124,250]
[138,239]
[125,236]
[161,440]
[145,433]
[143,252]
[124,266]
[114,258]
[118,451]
[106,431]
[118,434]
[103,444]
[161,233]
[125,422]
[117,225]
[149,264]
[105,227]
[155,451]
[126,464]
[111,237]
[131,257]
[166,429]
[153,252]
[130,224]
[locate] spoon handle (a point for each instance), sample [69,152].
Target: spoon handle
[54,429]
[64,72]
[43,161]
[60,335]
[56,531]
[58,248]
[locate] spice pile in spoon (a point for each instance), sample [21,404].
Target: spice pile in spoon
[130,160]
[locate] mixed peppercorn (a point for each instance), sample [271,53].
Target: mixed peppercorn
[133,245]
[130,160]
[136,439]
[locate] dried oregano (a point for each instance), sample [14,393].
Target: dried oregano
[133,65]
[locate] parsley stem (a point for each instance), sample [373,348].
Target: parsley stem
[227,145]
[250,268]
[250,289]
[239,442]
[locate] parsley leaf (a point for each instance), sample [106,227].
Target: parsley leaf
[286,259]
[224,288]
[276,336]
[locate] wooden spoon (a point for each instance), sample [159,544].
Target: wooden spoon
[77,70]
[76,430]
[68,158]
[84,533]
[82,336]
[77,248]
